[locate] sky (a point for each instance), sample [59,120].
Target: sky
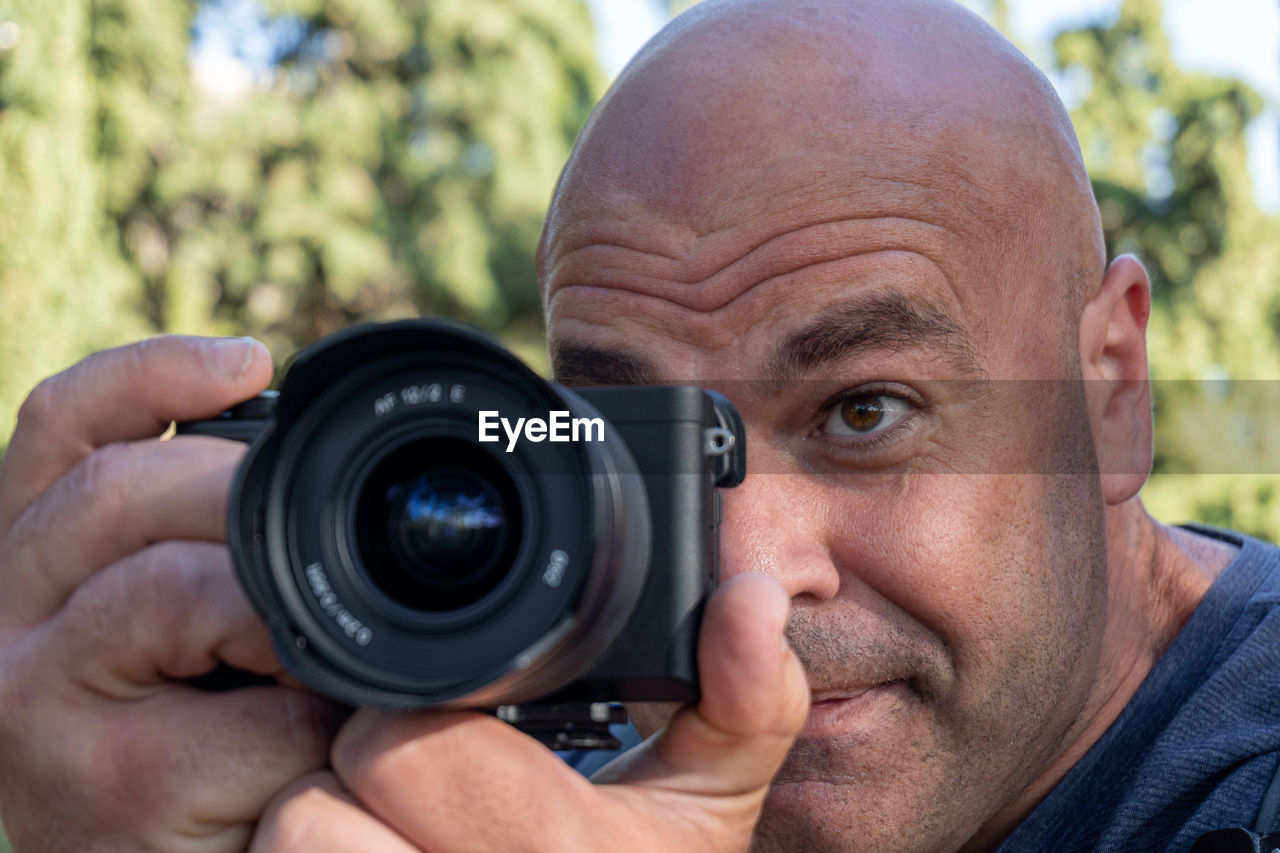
[1234,37]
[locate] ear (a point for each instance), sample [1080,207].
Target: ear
[1113,360]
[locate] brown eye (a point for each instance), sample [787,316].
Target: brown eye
[862,414]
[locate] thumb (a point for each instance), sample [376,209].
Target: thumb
[754,702]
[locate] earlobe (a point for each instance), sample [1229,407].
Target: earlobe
[1113,356]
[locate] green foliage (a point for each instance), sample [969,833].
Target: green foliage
[1166,149]
[397,161]
[64,287]
[400,163]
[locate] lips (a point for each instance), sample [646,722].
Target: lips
[840,711]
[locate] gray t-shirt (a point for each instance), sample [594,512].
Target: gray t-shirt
[1196,747]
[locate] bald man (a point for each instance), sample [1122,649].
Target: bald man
[946,621]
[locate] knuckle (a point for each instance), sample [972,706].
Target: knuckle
[45,405]
[137,361]
[171,581]
[154,592]
[38,411]
[166,591]
[105,474]
[92,630]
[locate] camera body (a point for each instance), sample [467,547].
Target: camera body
[422,521]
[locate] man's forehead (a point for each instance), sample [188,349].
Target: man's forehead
[764,221]
[872,324]
[738,146]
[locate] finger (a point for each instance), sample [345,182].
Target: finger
[755,699]
[114,502]
[87,695]
[179,770]
[464,781]
[123,394]
[171,611]
[315,814]
[206,761]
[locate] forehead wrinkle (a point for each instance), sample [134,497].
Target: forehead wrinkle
[709,231]
[647,312]
[777,257]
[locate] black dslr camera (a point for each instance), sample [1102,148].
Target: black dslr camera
[423,521]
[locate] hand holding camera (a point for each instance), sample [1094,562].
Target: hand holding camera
[404,558]
[118,585]
[459,781]
[103,741]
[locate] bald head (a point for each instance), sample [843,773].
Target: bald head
[914,108]
[887,200]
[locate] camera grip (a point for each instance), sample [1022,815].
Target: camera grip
[225,677]
[243,423]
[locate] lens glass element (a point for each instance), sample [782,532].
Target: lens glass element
[438,524]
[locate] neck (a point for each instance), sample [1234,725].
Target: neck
[1157,576]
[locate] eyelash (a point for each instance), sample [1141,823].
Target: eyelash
[872,440]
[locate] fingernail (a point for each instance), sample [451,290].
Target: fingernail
[229,357]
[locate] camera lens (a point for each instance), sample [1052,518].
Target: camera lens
[437,524]
[400,560]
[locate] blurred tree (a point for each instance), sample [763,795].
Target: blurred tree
[87,96]
[396,158]
[1166,149]
[400,162]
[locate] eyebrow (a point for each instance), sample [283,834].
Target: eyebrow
[878,322]
[881,322]
[576,364]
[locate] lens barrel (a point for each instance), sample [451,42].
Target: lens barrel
[399,560]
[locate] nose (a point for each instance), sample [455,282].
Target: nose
[774,524]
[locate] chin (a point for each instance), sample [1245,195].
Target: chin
[823,816]
[865,790]
[814,816]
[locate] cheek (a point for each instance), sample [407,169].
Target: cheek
[1000,567]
